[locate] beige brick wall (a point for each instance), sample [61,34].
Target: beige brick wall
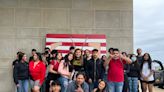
[24,23]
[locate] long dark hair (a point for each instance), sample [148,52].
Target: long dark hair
[149,61]
[103,57]
[56,83]
[57,56]
[66,60]
[104,90]
[74,56]
[20,56]
[39,55]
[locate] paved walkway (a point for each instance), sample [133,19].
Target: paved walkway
[156,89]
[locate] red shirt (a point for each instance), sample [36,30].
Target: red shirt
[116,70]
[38,72]
[55,64]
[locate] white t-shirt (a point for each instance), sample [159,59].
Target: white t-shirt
[146,71]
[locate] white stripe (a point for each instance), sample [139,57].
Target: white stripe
[75,40]
[63,54]
[80,47]
[49,46]
[102,55]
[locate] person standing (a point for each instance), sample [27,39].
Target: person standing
[78,60]
[104,58]
[140,60]
[95,70]
[86,59]
[16,60]
[147,72]
[116,70]
[139,56]
[33,52]
[37,71]
[133,74]
[126,70]
[21,73]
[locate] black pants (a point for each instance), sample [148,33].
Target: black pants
[126,83]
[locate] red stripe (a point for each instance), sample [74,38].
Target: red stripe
[103,44]
[86,36]
[63,51]
[103,51]
[75,44]
[67,51]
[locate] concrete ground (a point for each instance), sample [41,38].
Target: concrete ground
[156,89]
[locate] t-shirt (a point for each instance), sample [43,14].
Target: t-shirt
[55,64]
[146,71]
[139,59]
[116,70]
[78,65]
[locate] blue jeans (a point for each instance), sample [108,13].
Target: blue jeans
[115,86]
[133,84]
[23,86]
[105,78]
[64,83]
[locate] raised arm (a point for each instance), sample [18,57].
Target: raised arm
[128,60]
[108,60]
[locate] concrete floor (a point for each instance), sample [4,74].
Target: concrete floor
[156,89]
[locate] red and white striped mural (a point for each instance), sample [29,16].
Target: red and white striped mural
[62,42]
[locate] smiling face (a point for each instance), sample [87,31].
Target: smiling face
[59,56]
[70,57]
[102,85]
[35,57]
[146,57]
[78,53]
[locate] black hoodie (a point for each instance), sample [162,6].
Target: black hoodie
[21,71]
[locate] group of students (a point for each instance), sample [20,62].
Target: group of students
[83,71]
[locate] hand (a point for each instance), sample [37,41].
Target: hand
[99,80]
[54,45]
[145,78]
[121,56]
[94,44]
[58,43]
[50,82]
[111,56]
[18,85]
[90,80]
[69,75]
[79,89]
